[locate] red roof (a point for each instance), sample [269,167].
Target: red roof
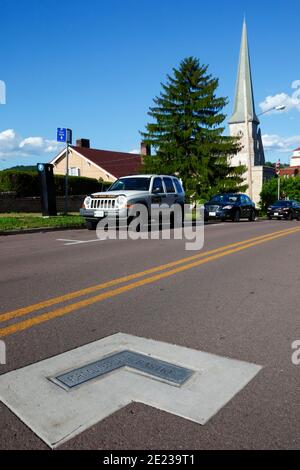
[290,171]
[116,163]
[296,150]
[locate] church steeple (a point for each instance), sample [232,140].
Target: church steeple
[244,101]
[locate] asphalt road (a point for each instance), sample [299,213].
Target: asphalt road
[241,302]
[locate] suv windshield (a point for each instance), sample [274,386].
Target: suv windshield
[131,184]
[225,198]
[282,203]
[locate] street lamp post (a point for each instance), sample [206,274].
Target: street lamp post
[248,141]
[276,108]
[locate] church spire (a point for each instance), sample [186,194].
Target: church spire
[244,102]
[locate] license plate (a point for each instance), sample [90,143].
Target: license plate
[276,213]
[212,214]
[99,213]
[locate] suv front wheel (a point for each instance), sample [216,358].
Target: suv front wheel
[142,222]
[236,216]
[252,216]
[91,224]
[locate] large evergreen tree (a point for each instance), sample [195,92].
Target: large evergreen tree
[186,133]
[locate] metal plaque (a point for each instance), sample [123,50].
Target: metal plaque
[174,374]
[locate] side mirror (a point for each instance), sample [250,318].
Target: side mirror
[156,190]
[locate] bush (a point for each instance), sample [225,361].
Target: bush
[26,183]
[289,188]
[77,185]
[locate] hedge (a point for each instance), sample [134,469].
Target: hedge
[26,183]
[76,184]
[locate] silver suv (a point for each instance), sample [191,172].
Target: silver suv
[120,200]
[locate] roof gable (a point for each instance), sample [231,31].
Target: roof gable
[116,163]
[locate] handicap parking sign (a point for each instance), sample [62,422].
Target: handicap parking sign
[64,135]
[61,134]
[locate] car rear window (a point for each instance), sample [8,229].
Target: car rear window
[178,186]
[169,185]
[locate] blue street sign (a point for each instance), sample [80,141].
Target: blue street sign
[61,134]
[64,135]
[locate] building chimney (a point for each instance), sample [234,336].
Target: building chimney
[145,149]
[83,143]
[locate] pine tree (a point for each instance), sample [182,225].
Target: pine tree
[186,133]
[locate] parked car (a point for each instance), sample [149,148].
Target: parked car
[283,209]
[119,200]
[230,207]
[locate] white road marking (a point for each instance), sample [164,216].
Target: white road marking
[72,241]
[78,242]
[214,225]
[57,415]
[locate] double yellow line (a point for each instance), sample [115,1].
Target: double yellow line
[149,276]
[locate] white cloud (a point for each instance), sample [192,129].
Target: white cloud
[8,140]
[134,151]
[13,146]
[296,84]
[32,143]
[2,92]
[289,101]
[280,144]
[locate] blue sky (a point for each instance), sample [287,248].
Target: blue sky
[95,66]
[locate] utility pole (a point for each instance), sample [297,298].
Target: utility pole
[278,178]
[248,143]
[65,135]
[67,178]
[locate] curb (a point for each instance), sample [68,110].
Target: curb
[57,229]
[39,230]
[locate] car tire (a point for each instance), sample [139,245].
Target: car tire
[252,216]
[139,227]
[177,221]
[130,219]
[269,217]
[91,224]
[236,216]
[290,216]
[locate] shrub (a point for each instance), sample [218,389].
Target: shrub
[289,188]
[76,184]
[26,183]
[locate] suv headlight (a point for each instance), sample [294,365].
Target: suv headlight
[87,202]
[121,202]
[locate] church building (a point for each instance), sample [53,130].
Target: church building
[245,124]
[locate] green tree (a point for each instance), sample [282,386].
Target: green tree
[186,133]
[289,188]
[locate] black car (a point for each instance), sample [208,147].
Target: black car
[230,207]
[282,209]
